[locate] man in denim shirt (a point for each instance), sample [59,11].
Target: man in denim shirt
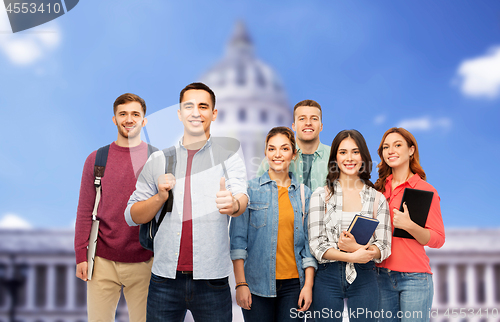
[311,165]
[191,261]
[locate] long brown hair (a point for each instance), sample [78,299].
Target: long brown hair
[333,168]
[384,170]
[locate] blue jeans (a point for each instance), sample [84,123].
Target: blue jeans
[169,299]
[279,308]
[331,288]
[405,297]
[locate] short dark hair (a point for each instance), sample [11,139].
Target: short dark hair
[198,86]
[312,103]
[129,97]
[286,132]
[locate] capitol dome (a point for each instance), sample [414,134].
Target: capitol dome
[250,98]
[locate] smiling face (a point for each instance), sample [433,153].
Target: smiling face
[307,123]
[129,119]
[279,153]
[349,158]
[396,151]
[196,114]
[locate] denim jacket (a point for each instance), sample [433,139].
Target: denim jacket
[254,234]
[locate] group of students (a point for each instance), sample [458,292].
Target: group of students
[291,253]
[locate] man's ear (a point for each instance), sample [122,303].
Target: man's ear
[144,122]
[293,127]
[114,120]
[214,114]
[179,113]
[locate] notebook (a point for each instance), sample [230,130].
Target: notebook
[418,203]
[362,228]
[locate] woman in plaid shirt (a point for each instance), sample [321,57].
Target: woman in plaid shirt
[347,269]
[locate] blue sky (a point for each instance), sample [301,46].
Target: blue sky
[433,67]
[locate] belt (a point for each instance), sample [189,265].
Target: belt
[186,272]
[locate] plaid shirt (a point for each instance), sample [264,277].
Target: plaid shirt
[325,226]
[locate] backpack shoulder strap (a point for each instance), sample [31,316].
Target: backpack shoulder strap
[151,149]
[375,204]
[170,162]
[303,199]
[170,159]
[101,158]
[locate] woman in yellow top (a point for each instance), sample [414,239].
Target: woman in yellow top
[273,267]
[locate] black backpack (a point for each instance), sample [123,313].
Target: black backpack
[148,231]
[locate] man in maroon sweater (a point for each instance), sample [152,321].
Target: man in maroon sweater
[120,259]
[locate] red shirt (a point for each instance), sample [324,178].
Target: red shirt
[185,262]
[117,241]
[408,255]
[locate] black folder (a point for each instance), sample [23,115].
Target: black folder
[418,203]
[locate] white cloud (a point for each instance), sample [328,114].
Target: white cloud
[380,119]
[426,123]
[480,77]
[26,47]
[11,221]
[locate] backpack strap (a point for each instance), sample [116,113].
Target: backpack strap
[170,161]
[101,158]
[375,204]
[151,149]
[303,199]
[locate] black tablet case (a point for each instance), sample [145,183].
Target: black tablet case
[418,203]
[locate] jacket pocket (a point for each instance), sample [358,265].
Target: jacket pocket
[258,214]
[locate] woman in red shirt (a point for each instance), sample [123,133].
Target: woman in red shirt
[405,278]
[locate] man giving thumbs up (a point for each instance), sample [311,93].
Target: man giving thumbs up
[191,260]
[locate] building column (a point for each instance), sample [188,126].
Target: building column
[30,287]
[70,287]
[452,289]
[490,284]
[51,287]
[435,282]
[471,282]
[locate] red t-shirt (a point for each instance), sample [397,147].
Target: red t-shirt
[185,262]
[408,255]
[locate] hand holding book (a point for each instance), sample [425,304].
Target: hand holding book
[413,211]
[401,219]
[347,242]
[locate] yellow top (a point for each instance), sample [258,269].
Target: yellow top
[286,266]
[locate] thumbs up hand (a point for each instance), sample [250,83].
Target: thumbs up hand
[224,200]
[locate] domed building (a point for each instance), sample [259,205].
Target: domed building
[250,98]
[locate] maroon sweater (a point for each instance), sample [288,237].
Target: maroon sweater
[117,241]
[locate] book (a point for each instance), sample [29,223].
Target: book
[362,228]
[418,203]
[94,231]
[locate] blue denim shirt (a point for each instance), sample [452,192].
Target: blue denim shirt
[254,234]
